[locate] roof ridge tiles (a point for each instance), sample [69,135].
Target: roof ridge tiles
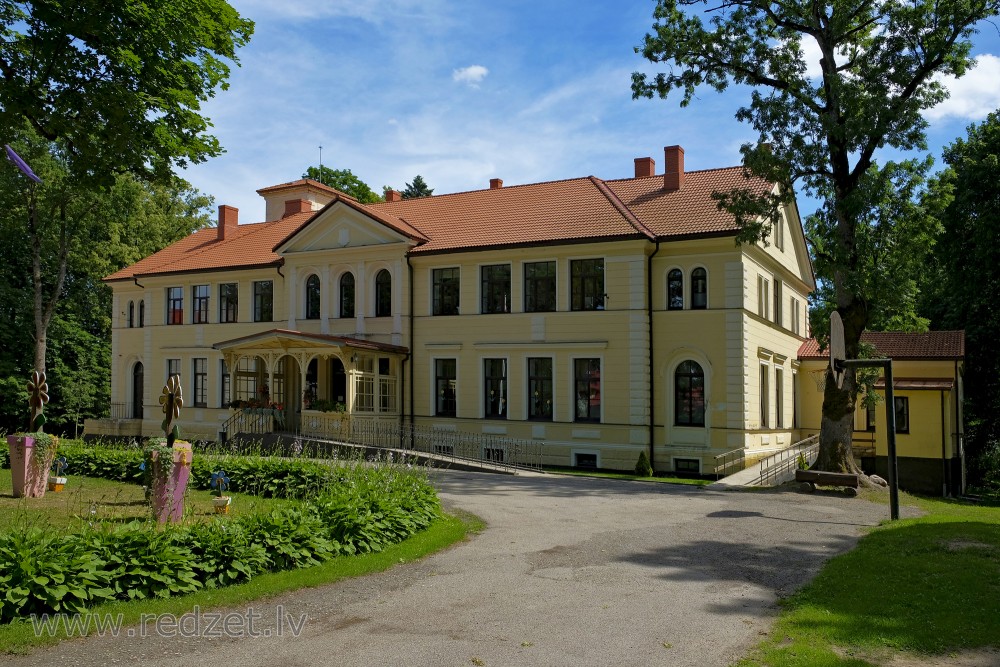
[624,210]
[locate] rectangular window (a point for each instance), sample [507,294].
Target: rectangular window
[495,296]
[495,388]
[446,291]
[445,385]
[587,389]
[228,302]
[225,385]
[586,284]
[539,287]
[870,417]
[779,234]
[777,302]
[764,391]
[199,299]
[688,466]
[581,460]
[902,414]
[200,383]
[248,376]
[793,306]
[386,385]
[763,297]
[795,400]
[779,398]
[175,305]
[540,389]
[173,367]
[263,301]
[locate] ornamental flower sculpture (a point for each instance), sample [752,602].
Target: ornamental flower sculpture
[218,484]
[31,453]
[172,400]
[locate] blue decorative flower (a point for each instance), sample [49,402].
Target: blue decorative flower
[220,482]
[60,465]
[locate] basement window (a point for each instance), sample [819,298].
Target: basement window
[585,460]
[689,466]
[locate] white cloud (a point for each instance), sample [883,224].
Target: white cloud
[471,75]
[974,95]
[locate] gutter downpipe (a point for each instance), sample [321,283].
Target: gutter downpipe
[944,456]
[409,355]
[652,379]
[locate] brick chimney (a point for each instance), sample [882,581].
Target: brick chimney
[393,195]
[644,166]
[496,183]
[228,219]
[293,206]
[673,175]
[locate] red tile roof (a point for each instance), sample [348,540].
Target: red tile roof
[574,210]
[900,345]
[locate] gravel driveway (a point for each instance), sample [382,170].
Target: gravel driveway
[570,571]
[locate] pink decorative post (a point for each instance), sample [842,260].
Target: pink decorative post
[170,479]
[28,479]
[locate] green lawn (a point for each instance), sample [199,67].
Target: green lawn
[926,586]
[582,472]
[87,499]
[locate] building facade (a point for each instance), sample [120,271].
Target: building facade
[600,318]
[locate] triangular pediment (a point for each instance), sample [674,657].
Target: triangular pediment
[340,226]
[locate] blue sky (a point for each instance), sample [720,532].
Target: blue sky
[461,92]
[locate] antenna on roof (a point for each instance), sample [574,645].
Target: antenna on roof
[321,158]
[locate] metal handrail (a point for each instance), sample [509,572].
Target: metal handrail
[775,467]
[729,459]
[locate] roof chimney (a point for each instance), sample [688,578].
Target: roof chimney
[393,195]
[293,206]
[496,183]
[673,176]
[644,166]
[228,219]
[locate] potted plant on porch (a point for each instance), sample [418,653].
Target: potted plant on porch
[31,453]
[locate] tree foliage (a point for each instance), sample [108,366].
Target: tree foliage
[417,188]
[119,82]
[822,123]
[962,284]
[82,233]
[345,181]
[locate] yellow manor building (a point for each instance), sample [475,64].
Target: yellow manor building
[596,318]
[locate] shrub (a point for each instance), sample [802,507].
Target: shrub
[642,467]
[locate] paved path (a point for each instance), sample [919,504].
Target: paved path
[570,571]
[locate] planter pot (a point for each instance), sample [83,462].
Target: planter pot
[221,504]
[28,478]
[56,484]
[168,490]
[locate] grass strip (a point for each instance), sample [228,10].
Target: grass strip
[19,637]
[925,586]
[577,472]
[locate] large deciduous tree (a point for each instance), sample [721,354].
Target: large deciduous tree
[822,120]
[106,87]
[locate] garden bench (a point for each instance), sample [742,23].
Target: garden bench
[810,479]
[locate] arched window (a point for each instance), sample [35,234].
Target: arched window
[689,395]
[131,314]
[312,297]
[142,314]
[383,294]
[699,289]
[347,295]
[675,290]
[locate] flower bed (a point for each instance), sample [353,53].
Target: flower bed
[344,509]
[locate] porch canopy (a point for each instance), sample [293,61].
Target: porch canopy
[351,371]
